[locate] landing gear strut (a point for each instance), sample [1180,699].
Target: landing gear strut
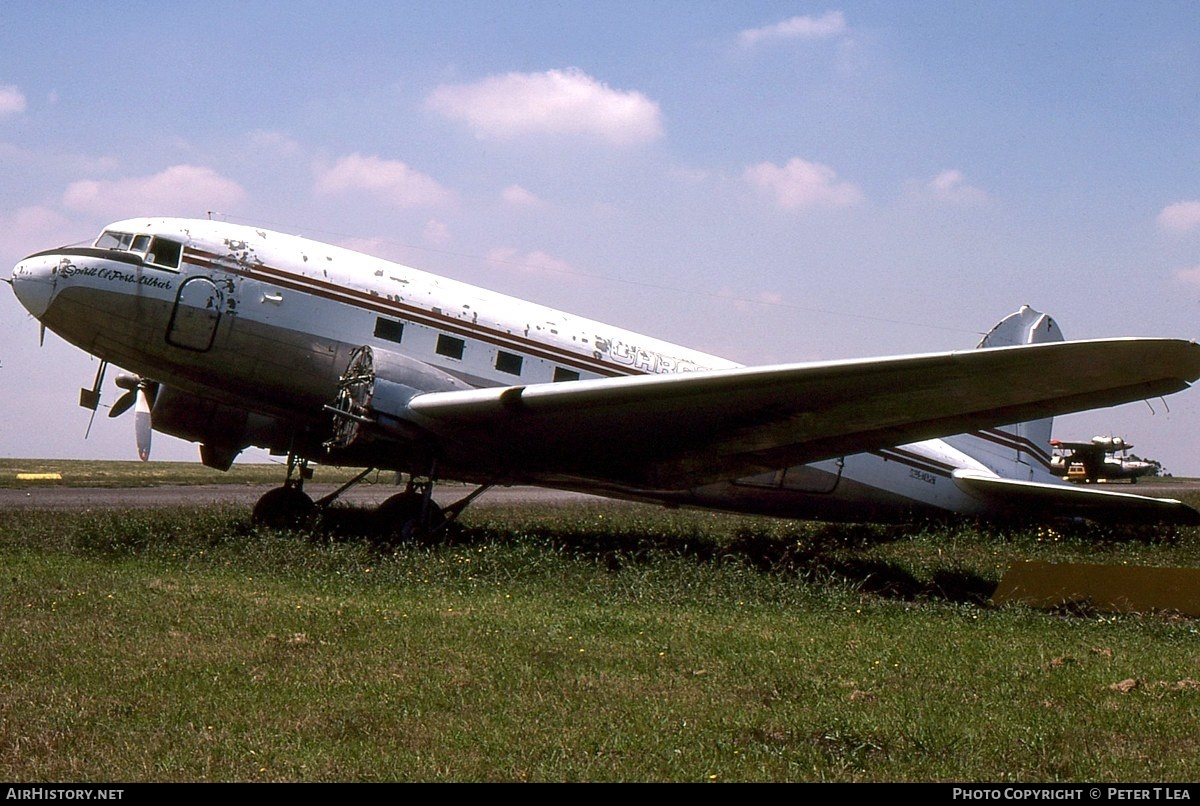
[287,507]
[413,514]
[410,515]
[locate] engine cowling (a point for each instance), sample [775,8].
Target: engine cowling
[373,394]
[222,430]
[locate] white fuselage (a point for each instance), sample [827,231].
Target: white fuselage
[250,331]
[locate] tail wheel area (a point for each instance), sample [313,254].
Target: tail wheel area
[284,508]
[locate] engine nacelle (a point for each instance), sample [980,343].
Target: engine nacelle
[222,430]
[1111,444]
[373,394]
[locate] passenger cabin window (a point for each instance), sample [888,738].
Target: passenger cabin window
[509,362]
[561,374]
[389,329]
[450,347]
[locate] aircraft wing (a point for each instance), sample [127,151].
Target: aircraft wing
[1030,499]
[1078,446]
[677,431]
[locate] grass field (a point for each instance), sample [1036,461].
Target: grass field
[594,642]
[95,473]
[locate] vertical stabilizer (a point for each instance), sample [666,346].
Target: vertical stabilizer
[1026,326]
[1021,450]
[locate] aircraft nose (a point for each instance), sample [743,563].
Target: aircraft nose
[33,283]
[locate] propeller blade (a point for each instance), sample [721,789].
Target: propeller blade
[139,395]
[141,423]
[124,403]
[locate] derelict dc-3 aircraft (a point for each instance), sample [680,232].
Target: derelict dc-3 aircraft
[239,336]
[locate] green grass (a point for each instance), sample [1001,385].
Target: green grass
[102,473]
[601,642]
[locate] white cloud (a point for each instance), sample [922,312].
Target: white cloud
[180,189]
[436,232]
[12,100]
[688,175]
[553,102]
[31,229]
[390,180]
[803,184]
[63,163]
[951,186]
[535,262]
[749,304]
[1180,217]
[517,196]
[829,24]
[277,142]
[1189,276]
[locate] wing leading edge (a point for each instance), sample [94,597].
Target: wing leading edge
[677,431]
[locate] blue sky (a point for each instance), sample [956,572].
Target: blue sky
[770,181]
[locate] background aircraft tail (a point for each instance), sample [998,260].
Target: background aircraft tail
[1021,450]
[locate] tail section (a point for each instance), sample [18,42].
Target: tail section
[1019,455]
[1021,450]
[1026,326]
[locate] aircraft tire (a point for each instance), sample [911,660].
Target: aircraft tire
[284,508]
[399,518]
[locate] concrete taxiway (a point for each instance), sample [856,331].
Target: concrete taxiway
[54,497]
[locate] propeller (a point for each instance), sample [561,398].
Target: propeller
[139,395]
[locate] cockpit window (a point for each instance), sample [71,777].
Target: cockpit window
[165,252]
[111,239]
[156,251]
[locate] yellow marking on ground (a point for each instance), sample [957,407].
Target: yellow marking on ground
[39,476]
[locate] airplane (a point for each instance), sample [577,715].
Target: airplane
[1097,460]
[233,336]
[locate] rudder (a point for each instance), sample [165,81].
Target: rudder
[1027,443]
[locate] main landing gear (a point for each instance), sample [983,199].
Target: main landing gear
[287,507]
[410,515]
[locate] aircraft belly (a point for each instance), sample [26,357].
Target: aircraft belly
[853,501]
[894,485]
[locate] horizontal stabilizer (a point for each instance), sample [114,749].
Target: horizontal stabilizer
[1036,500]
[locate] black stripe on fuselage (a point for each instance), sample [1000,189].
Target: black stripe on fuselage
[1014,442]
[915,461]
[87,251]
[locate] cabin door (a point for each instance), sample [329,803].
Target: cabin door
[196,315]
